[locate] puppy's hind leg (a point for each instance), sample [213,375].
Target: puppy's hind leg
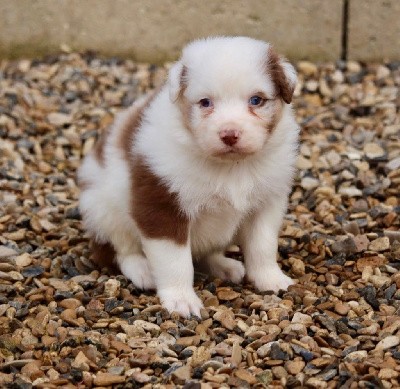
[132,262]
[225,268]
[136,268]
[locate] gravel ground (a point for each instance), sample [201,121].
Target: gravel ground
[65,323]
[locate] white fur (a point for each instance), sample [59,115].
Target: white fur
[236,197]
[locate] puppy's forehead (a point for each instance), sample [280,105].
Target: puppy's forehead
[221,66]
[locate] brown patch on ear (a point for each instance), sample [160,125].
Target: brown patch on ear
[183,104]
[276,115]
[186,110]
[104,255]
[278,76]
[155,209]
[182,82]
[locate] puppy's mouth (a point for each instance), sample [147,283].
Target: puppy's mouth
[232,153]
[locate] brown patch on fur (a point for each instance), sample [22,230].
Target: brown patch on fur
[186,109]
[100,146]
[104,255]
[278,76]
[155,209]
[83,185]
[131,125]
[182,81]
[276,115]
[273,118]
[184,106]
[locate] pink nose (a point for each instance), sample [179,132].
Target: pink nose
[229,137]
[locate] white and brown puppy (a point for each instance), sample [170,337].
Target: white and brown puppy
[204,163]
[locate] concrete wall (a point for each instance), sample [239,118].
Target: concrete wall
[155,30]
[374,29]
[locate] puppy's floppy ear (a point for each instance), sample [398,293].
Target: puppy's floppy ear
[176,81]
[283,75]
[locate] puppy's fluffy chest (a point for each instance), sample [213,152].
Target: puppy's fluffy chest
[211,196]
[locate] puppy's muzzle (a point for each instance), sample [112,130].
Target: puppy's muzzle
[229,137]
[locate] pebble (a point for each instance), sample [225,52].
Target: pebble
[112,288]
[309,183]
[6,252]
[227,294]
[23,260]
[301,318]
[380,244]
[393,164]
[265,377]
[298,267]
[361,242]
[246,376]
[32,271]
[303,163]
[353,66]
[357,356]
[388,342]
[342,308]
[373,151]
[294,367]
[226,318]
[106,379]
[346,246]
[81,362]
[59,119]
[387,374]
[182,373]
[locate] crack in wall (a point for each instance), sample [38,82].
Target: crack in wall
[345,27]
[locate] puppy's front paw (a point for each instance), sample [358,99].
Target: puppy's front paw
[227,269]
[185,302]
[137,269]
[271,279]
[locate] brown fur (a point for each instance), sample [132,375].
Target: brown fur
[182,81]
[186,109]
[131,125]
[184,106]
[277,74]
[155,209]
[103,255]
[276,115]
[100,146]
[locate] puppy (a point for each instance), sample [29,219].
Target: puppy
[205,162]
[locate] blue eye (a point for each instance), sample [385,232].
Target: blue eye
[205,103]
[256,100]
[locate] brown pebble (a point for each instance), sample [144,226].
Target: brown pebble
[294,367]
[245,375]
[227,294]
[342,308]
[106,379]
[70,303]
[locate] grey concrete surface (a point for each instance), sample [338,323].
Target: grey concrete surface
[156,30]
[374,30]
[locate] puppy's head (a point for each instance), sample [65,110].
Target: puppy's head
[231,92]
